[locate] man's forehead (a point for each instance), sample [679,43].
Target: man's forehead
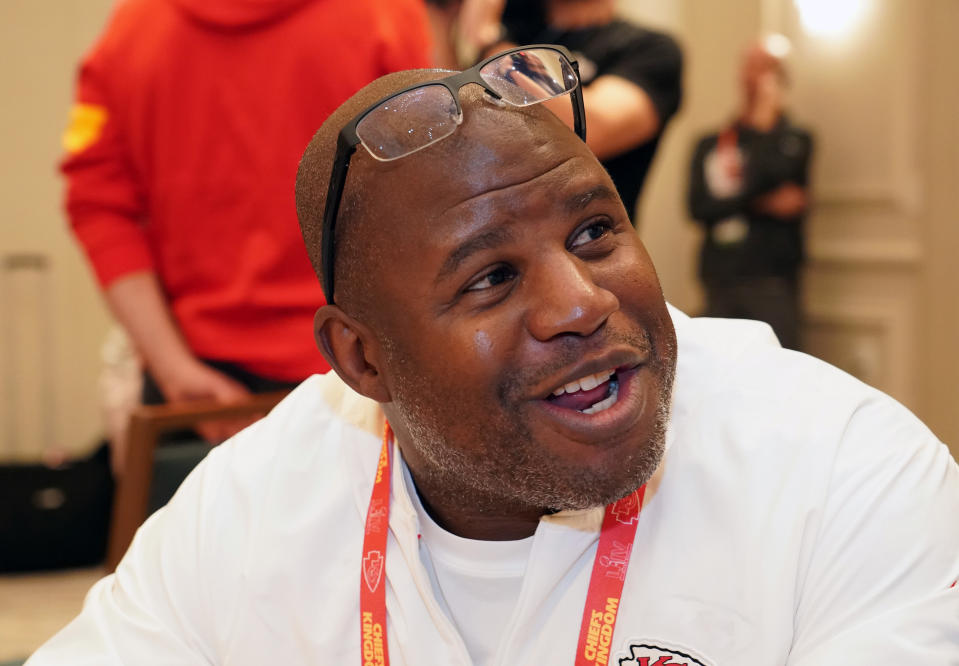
[533,183]
[482,210]
[495,147]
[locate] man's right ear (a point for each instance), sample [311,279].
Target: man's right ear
[351,350]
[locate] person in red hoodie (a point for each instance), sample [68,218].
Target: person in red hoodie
[182,150]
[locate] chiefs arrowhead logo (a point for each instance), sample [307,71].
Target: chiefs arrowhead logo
[626,510]
[643,654]
[373,569]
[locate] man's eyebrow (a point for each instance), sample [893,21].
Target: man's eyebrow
[581,200]
[483,241]
[501,235]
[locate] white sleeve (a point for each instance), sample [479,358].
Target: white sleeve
[154,609]
[880,588]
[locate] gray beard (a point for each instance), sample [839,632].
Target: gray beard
[520,475]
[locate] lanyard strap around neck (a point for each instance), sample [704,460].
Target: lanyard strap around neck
[373,579]
[602,599]
[608,577]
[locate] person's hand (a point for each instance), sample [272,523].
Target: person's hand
[138,302]
[193,380]
[730,160]
[786,201]
[442,17]
[478,25]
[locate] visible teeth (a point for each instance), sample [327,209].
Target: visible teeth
[587,383]
[606,403]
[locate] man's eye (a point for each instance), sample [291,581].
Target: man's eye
[495,277]
[591,233]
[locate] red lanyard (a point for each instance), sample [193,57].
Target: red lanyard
[602,598]
[727,142]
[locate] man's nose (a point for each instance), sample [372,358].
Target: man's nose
[566,300]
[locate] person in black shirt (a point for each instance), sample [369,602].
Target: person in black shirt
[749,188]
[631,75]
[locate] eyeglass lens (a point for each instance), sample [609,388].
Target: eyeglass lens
[530,76]
[417,118]
[409,122]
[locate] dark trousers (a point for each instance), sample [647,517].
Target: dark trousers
[772,299]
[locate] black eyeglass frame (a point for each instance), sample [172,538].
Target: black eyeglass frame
[348,140]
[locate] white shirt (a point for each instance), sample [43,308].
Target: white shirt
[476,582]
[799,518]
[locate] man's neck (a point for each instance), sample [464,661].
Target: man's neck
[574,14]
[470,520]
[466,512]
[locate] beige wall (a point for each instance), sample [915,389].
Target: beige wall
[884,238]
[939,139]
[40,43]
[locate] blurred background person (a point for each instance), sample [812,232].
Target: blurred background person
[189,120]
[443,16]
[749,188]
[631,75]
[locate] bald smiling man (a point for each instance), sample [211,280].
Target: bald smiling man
[524,455]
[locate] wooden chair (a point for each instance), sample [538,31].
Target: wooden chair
[147,423]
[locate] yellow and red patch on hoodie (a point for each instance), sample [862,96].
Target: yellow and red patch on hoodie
[85,127]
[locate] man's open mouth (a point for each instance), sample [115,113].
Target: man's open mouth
[590,394]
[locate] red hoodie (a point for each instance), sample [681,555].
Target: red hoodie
[182,151]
